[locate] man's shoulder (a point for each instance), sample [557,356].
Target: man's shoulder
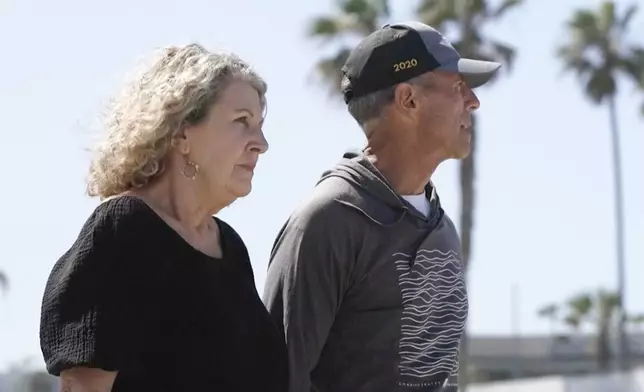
[325,205]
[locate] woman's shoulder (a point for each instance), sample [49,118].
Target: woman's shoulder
[232,240]
[109,230]
[101,292]
[226,230]
[119,216]
[124,208]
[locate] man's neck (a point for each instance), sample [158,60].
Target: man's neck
[407,172]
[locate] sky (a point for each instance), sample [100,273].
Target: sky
[544,221]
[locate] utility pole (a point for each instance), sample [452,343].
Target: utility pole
[515,316]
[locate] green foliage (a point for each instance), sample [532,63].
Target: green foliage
[353,20]
[467,18]
[598,310]
[597,50]
[585,308]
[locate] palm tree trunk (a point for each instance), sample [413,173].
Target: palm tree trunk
[466,224]
[622,357]
[467,198]
[467,173]
[4,281]
[603,346]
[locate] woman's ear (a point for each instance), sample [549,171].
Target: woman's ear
[180,143]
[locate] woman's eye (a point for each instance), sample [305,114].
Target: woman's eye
[242,120]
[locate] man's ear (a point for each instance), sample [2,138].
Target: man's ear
[405,98]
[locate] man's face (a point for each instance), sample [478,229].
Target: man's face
[444,117]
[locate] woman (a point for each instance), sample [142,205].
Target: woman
[156,294]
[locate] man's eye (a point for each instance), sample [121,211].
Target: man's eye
[242,120]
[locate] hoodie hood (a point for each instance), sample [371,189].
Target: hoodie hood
[372,194]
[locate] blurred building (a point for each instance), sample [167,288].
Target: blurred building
[632,381]
[548,364]
[503,357]
[28,381]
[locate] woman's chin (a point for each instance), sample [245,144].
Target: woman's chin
[241,188]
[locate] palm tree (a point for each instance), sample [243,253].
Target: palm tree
[467,18]
[598,53]
[550,312]
[598,310]
[354,20]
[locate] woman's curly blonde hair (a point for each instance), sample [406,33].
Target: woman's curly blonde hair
[178,88]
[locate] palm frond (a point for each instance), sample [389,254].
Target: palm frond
[475,7]
[438,13]
[600,85]
[573,321]
[4,281]
[354,17]
[503,53]
[584,28]
[625,20]
[581,305]
[548,311]
[606,19]
[353,20]
[575,60]
[505,7]
[366,14]
[441,13]
[329,70]
[607,304]
[633,65]
[327,28]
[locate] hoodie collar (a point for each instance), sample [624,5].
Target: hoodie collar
[373,196]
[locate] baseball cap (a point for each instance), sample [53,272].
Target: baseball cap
[399,52]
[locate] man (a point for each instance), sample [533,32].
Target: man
[365,276]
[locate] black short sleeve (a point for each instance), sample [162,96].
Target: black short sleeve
[99,300]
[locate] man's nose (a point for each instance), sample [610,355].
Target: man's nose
[472,101]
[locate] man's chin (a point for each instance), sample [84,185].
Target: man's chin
[464,146]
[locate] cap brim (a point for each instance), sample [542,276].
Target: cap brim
[475,72]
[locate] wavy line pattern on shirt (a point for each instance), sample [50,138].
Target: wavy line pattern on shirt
[434,313]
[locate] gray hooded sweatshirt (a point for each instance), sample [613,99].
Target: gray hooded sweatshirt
[370,294]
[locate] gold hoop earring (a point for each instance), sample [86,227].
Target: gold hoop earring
[190,170]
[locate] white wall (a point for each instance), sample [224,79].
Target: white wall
[632,382]
[544,384]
